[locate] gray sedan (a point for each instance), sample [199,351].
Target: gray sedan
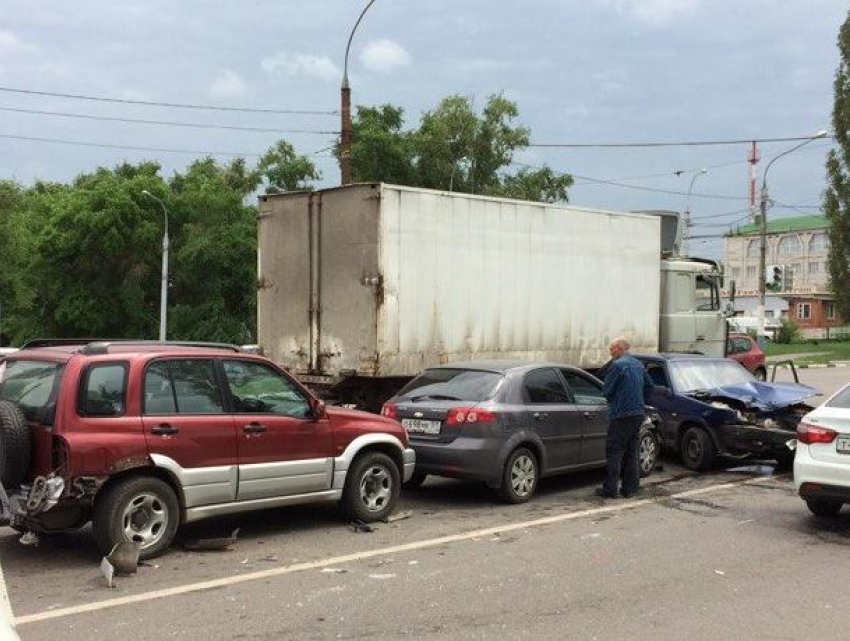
[508,423]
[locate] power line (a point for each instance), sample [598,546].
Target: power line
[169,123]
[174,105]
[82,143]
[680,143]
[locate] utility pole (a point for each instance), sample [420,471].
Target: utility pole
[345,110]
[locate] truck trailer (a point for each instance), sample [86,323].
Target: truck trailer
[362,287]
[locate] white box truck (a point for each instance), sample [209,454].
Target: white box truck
[362,287]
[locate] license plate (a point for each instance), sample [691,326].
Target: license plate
[842,445]
[419,426]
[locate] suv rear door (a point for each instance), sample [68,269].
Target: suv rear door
[283,450]
[188,430]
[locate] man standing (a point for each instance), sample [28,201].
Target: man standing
[626,385]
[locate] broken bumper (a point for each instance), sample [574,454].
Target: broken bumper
[753,439]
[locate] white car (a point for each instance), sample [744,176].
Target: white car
[822,459]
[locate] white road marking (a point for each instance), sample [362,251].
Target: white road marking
[359,556]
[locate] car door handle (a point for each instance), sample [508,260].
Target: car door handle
[254,428]
[539,416]
[588,415]
[164,429]
[700,337]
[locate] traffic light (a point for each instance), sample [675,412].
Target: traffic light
[774,278]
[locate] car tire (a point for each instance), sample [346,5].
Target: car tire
[760,373]
[697,449]
[824,508]
[649,447]
[415,481]
[371,488]
[15,445]
[141,508]
[519,476]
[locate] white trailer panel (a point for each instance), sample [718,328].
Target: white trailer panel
[431,277]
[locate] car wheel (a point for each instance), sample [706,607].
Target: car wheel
[697,449]
[371,489]
[15,439]
[142,509]
[415,481]
[760,374]
[648,450]
[824,508]
[519,477]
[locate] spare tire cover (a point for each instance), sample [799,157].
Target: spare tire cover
[15,445]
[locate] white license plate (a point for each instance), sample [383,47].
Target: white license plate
[419,426]
[842,445]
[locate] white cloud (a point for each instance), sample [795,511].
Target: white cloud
[657,13]
[301,64]
[10,43]
[227,84]
[384,56]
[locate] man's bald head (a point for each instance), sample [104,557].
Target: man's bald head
[618,347]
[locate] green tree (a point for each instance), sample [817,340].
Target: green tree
[837,195]
[13,243]
[284,170]
[380,150]
[454,148]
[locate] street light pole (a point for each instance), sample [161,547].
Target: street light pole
[687,231]
[345,109]
[163,291]
[763,228]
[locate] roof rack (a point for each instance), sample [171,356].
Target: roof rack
[102,345]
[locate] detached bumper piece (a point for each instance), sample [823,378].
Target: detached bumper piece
[755,440]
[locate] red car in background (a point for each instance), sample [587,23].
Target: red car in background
[744,349]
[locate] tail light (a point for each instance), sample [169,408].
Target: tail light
[389,410]
[469,416]
[808,433]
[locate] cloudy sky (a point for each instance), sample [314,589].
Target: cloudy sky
[581,71]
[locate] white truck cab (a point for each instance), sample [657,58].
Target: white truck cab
[692,319]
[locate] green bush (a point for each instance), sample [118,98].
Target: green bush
[788,332]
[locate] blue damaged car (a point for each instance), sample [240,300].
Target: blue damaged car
[714,406]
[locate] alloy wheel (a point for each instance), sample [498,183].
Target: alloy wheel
[523,475]
[145,519]
[375,488]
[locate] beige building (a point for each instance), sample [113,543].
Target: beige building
[798,245]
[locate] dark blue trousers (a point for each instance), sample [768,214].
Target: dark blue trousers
[621,455]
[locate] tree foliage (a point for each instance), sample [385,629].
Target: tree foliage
[84,259]
[837,195]
[454,148]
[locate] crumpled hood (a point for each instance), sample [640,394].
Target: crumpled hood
[765,396]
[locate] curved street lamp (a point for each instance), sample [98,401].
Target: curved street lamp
[163,292]
[763,226]
[686,235]
[345,109]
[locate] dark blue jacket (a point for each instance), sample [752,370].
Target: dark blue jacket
[626,386]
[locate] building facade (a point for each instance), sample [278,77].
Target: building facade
[799,247]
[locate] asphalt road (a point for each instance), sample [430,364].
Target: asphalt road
[729,554]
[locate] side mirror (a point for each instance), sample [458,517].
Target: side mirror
[318,409]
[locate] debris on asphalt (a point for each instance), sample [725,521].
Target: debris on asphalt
[29,538]
[361,526]
[213,544]
[382,576]
[335,570]
[398,516]
[720,572]
[122,560]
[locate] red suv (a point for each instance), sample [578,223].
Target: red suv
[140,437]
[744,349]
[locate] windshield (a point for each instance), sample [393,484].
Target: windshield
[452,385]
[30,384]
[695,375]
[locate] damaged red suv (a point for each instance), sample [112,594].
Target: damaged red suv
[141,437]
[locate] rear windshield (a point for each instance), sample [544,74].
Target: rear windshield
[842,399]
[30,384]
[452,385]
